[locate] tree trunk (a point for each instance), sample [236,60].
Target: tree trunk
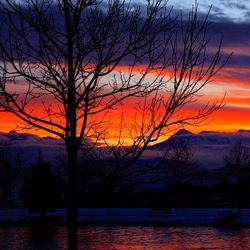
[238,187]
[72,209]
[71,126]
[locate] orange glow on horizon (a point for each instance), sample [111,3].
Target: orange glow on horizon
[230,118]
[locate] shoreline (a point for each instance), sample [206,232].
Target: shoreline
[131,216]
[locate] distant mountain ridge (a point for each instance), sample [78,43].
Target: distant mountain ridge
[209,147]
[205,138]
[14,136]
[27,147]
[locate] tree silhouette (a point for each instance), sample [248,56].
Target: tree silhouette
[70,55]
[6,176]
[238,165]
[41,190]
[180,166]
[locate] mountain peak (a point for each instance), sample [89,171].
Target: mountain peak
[183,132]
[243,130]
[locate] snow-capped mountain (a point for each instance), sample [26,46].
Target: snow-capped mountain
[208,147]
[26,147]
[206,138]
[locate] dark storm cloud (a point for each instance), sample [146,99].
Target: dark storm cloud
[236,36]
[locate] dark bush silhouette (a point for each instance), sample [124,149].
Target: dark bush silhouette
[6,177]
[41,192]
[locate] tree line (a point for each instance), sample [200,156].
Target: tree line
[175,179]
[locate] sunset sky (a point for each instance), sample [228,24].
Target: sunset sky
[232,20]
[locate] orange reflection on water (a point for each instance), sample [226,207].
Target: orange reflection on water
[169,238]
[126,238]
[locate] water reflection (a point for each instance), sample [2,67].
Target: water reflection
[32,238]
[171,238]
[125,238]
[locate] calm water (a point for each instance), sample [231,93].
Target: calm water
[125,238]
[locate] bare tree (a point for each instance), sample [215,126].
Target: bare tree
[189,68]
[238,159]
[180,165]
[238,165]
[11,173]
[67,55]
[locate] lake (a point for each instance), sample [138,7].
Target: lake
[126,238]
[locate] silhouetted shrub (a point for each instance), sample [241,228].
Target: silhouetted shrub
[41,191]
